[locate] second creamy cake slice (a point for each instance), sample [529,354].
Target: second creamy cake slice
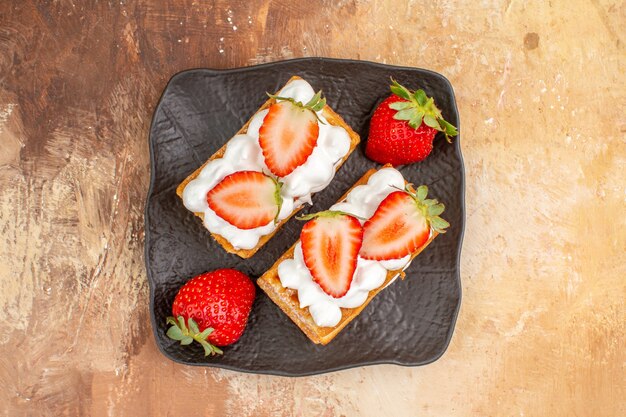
[290,148]
[290,282]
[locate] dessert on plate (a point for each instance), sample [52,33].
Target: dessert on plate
[290,148]
[349,253]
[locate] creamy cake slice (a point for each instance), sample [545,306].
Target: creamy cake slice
[290,285]
[335,142]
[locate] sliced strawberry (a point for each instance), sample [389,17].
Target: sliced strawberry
[330,246]
[289,133]
[401,224]
[246,199]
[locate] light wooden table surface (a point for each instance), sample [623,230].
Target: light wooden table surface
[541,92]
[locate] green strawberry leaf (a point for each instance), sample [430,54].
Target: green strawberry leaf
[416,121]
[430,207]
[431,121]
[436,209]
[439,224]
[419,108]
[205,333]
[422,192]
[181,323]
[314,100]
[400,90]
[327,213]
[210,349]
[400,105]
[193,326]
[447,128]
[320,106]
[315,105]
[175,333]
[420,97]
[179,332]
[278,198]
[406,114]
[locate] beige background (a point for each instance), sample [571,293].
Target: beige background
[541,92]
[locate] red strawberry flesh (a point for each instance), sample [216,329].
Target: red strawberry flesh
[397,228]
[330,248]
[287,137]
[245,199]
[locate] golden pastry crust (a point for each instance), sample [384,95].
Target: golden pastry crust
[332,118]
[287,299]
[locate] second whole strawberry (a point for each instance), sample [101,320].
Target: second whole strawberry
[403,127]
[212,309]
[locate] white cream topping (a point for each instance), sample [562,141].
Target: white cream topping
[243,153]
[362,201]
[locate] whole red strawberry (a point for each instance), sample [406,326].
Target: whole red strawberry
[212,309]
[403,127]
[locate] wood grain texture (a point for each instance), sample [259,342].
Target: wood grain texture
[542,96]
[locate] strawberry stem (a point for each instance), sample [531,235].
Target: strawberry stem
[430,208]
[315,105]
[277,197]
[186,333]
[327,213]
[419,108]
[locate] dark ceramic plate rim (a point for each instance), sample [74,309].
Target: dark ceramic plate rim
[152,283]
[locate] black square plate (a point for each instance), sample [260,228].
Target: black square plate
[409,323]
